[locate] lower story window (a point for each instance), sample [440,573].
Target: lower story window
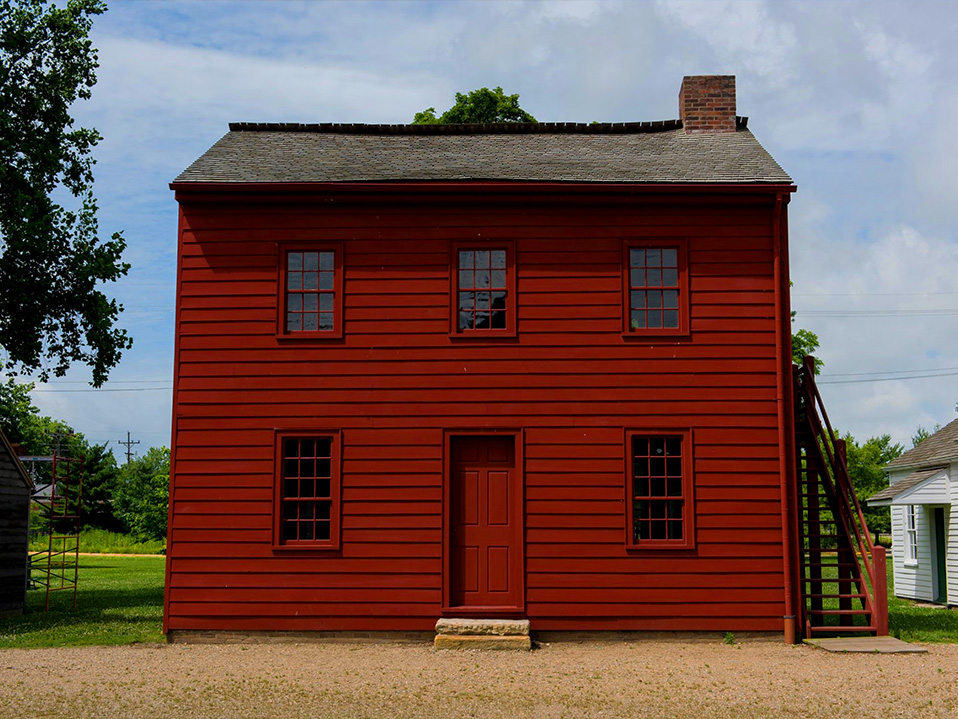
[660,490]
[308,491]
[911,535]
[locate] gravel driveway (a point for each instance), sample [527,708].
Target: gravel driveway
[613,679]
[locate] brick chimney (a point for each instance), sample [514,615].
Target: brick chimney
[707,103]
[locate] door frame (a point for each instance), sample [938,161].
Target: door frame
[939,551]
[518,505]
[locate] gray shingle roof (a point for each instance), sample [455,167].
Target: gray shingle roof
[942,446]
[633,153]
[902,486]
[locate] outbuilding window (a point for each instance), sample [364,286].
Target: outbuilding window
[660,490]
[911,535]
[311,291]
[655,288]
[307,490]
[483,290]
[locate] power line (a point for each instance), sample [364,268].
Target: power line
[887,379]
[877,313]
[127,389]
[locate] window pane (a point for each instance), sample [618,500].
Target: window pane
[499,259]
[466,279]
[675,508]
[483,300]
[656,486]
[671,319]
[310,280]
[670,258]
[307,487]
[657,466]
[322,510]
[670,299]
[482,278]
[294,260]
[466,259]
[498,320]
[309,303]
[640,486]
[670,278]
[482,259]
[294,281]
[653,258]
[637,299]
[674,486]
[294,322]
[325,280]
[655,299]
[658,530]
[641,510]
[638,320]
[289,531]
[482,320]
[326,261]
[322,530]
[326,302]
[655,319]
[323,467]
[309,322]
[310,260]
[637,258]
[499,279]
[306,530]
[294,303]
[466,300]
[325,321]
[675,529]
[637,278]
[465,320]
[640,466]
[653,277]
[322,487]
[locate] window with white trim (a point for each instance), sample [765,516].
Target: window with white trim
[911,535]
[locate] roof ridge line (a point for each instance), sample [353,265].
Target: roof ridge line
[507,128]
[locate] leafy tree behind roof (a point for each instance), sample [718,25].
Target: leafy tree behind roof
[479,106]
[51,257]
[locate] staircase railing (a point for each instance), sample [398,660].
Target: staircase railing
[859,559]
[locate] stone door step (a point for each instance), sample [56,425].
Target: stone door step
[872,645]
[483,634]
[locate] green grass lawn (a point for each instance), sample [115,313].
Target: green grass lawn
[120,601]
[913,623]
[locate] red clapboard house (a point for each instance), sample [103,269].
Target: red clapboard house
[533,371]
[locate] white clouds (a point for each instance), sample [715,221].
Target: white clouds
[855,100]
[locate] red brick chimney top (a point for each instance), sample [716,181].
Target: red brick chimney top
[707,103]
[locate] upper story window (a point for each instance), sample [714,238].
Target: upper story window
[307,491]
[311,291]
[660,490]
[483,290]
[655,288]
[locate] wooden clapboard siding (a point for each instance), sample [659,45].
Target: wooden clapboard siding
[14,529]
[396,380]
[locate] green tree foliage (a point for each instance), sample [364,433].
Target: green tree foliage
[865,469]
[22,422]
[142,494]
[921,434]
[479,106]
[51,257]
[101,476]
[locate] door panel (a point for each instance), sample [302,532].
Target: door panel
[485,531]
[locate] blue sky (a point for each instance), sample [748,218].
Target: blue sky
[855,100]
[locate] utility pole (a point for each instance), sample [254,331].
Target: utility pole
[129,446]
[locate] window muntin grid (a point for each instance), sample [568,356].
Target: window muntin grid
[658,499]
[306,489]
[310,291]
[653,288]
[911,534]
[482,290]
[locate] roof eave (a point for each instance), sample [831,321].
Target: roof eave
[752,187]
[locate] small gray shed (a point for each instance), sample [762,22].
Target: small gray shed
[15,489]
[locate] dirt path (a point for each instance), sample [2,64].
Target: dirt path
[638,679]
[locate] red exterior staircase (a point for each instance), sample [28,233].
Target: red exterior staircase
[843,573]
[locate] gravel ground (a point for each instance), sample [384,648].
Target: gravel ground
[609,679]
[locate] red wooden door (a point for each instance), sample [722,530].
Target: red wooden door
[486,541]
